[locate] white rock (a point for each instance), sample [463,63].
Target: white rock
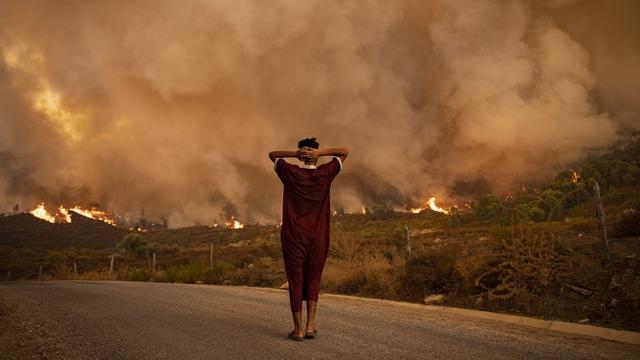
[433,299]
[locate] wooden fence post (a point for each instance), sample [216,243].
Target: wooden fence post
[407,238]
[111,265]
[210,254]
[153,266]
[602,228]
[40,273]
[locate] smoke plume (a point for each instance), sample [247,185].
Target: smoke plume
[172,106]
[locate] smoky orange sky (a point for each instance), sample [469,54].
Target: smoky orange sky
[172,106]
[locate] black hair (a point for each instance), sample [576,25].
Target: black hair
[310,142]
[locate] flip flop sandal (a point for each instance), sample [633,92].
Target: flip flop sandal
[310,335]
[293,336]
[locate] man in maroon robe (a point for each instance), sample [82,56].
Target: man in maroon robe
[306,217]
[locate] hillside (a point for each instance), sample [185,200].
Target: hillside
[536,252]
[25,230]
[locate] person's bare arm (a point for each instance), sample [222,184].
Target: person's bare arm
[285,154]
[342,153]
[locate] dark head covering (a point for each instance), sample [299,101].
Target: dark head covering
[310,142]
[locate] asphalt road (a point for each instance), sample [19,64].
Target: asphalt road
[132,320]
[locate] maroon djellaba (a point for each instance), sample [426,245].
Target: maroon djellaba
[306,218]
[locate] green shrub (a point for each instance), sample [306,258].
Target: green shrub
[139,275]
[490,208]
[536,214]
[185,273]
[551,203]
[134,243]
[220,272]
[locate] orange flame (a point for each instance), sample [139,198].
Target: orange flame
[431,204]
[41,213]
[63,214]
[575,177]
[234,224]
[93,214]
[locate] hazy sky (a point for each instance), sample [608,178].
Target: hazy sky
[172,106]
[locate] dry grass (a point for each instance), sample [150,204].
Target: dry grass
[347,246]
[356,266]
[95,275]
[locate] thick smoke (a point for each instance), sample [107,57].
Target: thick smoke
[172,107]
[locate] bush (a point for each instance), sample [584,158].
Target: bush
[346,246]
[490,208]
[551,203]
[139,275]
[381,280]
[433,272]
[220,273]
[185,273]
[134,243]
[352,284]
[536,214]
[584,225]
[380,212]
[260,273]
[628,225]
[160,276]
[455,218]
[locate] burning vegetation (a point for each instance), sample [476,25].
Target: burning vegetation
[431,204]
[61,215]
[234,224]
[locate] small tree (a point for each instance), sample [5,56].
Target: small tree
[136,244]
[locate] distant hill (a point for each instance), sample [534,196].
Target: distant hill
[26,230]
